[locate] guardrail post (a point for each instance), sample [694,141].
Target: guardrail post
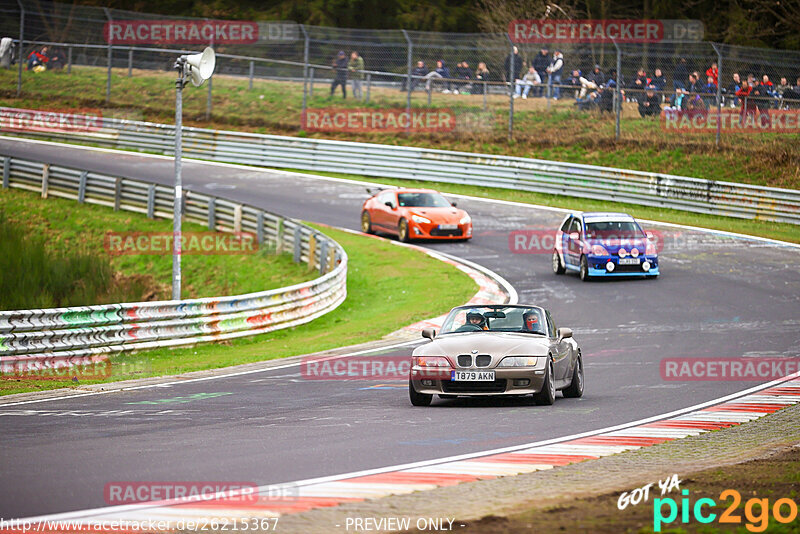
[212,214]
[252,71]
[82,187]
[130,62]
[323,257]
[6,171]
[151,201]
[45,179]
[117,193]
[260,228]
[279,236]
[110,57]
[298,246]
[331,259]
[312,251]
[69,60]
[21,56]
[369,85]
[237,218]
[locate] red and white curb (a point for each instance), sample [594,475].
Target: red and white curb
[278,500]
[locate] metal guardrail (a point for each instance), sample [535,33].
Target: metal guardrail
[506,172]
[35,339]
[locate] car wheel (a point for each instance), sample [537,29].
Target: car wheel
[585,269]
[557,267]
[418,399]
[547,396]
[575,389]
[366,223]
[402,231]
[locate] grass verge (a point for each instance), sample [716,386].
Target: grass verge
[388,287]
[66,227]
[772,230]
[557,132]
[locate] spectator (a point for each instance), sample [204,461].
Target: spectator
[540,63]
[482,74]
[524,85]
[792,96]
[659,81]
[782,87]
[694,83]
[575,81]
[733,88]
[554,74]
[513,65]
[605,97]
[596,76]
[463,72]
[38,59]
[767,86]
[710,89]
[417,73]
[340,73]
[676,102]
[441,72]
[590,83]
[641,80]
[713,72]
[650,103]
[680,74]
[57,60]
[746,94]
[356,68]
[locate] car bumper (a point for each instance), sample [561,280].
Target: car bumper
[597,267]
[508,381]
[432,231]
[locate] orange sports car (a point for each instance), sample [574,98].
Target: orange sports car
[414,214]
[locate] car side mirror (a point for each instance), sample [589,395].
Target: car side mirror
[564,332]
[389,204]
[649,235]
[574,236]
[429,333]
[454,204]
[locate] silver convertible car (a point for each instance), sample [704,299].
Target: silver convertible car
[496,350]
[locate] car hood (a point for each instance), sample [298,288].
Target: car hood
[439,215]
[497,344]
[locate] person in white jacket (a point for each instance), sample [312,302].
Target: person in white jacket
[554,74]
[524,85]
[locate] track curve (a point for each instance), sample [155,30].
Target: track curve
[718,296]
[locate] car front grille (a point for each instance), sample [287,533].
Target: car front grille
[483,360]
[498,386]
[629,269]
[464,360]
[452,233]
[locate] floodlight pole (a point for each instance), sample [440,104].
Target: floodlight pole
[177,207]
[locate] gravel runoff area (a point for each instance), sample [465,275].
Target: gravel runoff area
[498,505]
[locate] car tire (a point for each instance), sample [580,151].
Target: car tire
[557,267]
[366,223]
[585,269]
[402,231]
[418,399]
[547,396]
[575,389]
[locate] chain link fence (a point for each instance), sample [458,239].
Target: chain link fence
[486,83]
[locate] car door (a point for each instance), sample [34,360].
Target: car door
[381,214]
[574,246]
[561,350]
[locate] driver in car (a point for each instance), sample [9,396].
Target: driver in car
[475,318]
[531,321]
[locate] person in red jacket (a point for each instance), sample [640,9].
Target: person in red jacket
[749,105]
[38,57]
[713,72]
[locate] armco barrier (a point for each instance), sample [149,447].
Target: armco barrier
[541,176]
[32,339]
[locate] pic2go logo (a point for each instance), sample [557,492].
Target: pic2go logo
[756,511]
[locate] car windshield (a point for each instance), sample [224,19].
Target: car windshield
[529,320]
[422,200]
[613,230]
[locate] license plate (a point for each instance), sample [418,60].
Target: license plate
[629,261]
[472,376]
[448,226]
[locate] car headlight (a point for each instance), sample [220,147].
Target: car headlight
[519,361]
[431,361]
[465,220]
[420,219]
[599,250]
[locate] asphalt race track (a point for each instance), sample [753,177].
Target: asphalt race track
[717,297]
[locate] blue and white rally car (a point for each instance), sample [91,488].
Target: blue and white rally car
[604,244]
